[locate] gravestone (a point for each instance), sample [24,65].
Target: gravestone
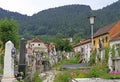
[22,59]
[8,75]
[51,58]
[110,62]
[46,65]
[59,56]
[116,60]
[55,54]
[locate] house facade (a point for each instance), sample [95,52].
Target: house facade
[84,48]
[77,48]
[35,45]
[104,35]
[115,40]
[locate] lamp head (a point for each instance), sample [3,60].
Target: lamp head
[92,19]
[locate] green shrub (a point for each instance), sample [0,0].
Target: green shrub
[119,50]
[1,71]
[36,77]
[107,49]
[70,61]
[95,71]
[63,57]
[115,76]
[92,60]
[62,77]
[65,75]
[27,79]
[46,59]
[1,59]
[100,70]
[113,51]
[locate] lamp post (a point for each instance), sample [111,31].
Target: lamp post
[91,18]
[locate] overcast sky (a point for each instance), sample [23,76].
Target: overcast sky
[30,7]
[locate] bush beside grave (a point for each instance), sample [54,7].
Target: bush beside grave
[36,77]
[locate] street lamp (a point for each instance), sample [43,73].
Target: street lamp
[91,18]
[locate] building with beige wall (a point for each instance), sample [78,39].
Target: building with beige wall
[105,34]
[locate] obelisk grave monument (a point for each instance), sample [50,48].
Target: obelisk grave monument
[8,73]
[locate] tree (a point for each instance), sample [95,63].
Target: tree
[62,45]
[9,31]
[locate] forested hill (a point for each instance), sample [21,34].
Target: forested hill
[14,15]
[65,21]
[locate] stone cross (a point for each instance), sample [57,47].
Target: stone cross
[8,75]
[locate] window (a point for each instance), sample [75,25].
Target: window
[38,44]
[94,42]
[82,49]
[106,38]
[103,40]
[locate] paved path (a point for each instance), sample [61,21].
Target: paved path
[49,75]
[75,66]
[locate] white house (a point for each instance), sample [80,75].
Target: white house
[115,40]
[84,48]
[37,46]
[77,48]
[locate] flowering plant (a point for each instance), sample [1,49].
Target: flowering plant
[72,74]
[114,72]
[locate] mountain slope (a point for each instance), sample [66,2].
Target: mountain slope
[14,15]
[63,21]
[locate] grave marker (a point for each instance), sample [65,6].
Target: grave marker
[8,74]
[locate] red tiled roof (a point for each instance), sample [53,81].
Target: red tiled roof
[36,40]
[116,37]
[104,30]
[49,46]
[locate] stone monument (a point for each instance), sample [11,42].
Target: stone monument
[51,57]
[22,58]
[8,75]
